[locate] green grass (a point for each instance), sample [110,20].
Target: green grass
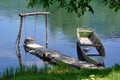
[61,72]
[85,34]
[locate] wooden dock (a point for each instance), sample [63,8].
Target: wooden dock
[52,56]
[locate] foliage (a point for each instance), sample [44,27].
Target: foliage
[61,72]
[20,71]
[91,77]
[77,6]
[112,4]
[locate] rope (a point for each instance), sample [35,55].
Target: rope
[25,27]
[34,35]
[35,27]
[25,58]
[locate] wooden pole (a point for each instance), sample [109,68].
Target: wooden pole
[34,13]
[20,31]
[46,30]
[18,41]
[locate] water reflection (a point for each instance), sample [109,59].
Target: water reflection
[18,52]
[105,22]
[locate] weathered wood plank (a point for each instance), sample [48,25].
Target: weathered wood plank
[53,56]
[34,13]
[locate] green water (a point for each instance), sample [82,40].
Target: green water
[62,31]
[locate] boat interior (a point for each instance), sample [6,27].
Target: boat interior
[89,44]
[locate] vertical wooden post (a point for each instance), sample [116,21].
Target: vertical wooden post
[18,41]
[20,30]
[46,30]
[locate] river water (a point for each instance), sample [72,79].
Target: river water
[62,31]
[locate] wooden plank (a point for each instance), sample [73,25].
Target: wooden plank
[85,40]
[20,32]
[53,56]
[34,13]
[94,45]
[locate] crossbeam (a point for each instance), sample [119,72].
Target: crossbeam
[34,13]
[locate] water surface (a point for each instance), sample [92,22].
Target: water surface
[62,31]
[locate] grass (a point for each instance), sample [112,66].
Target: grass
[85,34]
[61,72]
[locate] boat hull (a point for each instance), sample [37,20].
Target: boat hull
[83,49]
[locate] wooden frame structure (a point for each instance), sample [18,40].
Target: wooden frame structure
[22,15]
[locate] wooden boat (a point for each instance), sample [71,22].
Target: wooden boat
[89,47]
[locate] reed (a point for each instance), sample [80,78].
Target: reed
[60,72]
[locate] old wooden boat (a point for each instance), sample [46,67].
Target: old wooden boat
[89,47]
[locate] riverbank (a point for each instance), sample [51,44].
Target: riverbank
[61,72]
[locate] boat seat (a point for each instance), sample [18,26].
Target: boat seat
[97,58]
[94,54]
[87,42]
[91,51]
